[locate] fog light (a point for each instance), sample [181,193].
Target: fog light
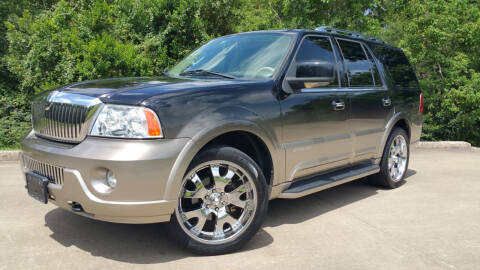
[111,180]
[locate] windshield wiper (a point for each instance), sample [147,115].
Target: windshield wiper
[206,72]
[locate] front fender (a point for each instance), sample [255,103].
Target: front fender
[204,128]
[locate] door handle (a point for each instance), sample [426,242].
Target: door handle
[386,101]
[338,105]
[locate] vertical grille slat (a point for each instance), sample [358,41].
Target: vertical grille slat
[53,173]
[50,122]
[61,124]
[66,122]
[57,175]
[76,121]
[54,120]
[51,170]
[82,119]
[79,120]
[58,118]
[70,122]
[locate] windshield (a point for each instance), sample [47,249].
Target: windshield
[244,56]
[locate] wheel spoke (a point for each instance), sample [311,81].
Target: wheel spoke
[397,146]
[221,181]
[395,172]
[234,196]
[199,215]
[200,190]
[392,170]
[226,219]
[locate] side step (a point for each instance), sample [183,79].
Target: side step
[317,183]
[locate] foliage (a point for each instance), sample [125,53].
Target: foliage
[442,42]
[14,111]
[49,43]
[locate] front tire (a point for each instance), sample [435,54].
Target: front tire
[394,163]
[222,202]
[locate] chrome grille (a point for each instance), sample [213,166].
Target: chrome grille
[63,117]
[53,173]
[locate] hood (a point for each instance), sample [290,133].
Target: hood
[132,91]
[109,90]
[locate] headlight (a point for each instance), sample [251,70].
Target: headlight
[127,122]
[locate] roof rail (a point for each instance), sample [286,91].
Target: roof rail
[333,30]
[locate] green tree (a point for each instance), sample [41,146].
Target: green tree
[48,43]
[14,111]
[442,41]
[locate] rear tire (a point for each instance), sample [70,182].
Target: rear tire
[222,202]
[394,163]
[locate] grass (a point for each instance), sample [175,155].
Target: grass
[9,148]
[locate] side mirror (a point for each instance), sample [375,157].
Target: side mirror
[312,74]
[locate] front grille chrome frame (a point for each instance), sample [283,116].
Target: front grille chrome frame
[64,117]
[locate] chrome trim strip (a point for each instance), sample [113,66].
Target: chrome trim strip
[342,136]
[318,162]
[364,150]
[369,131]
[343,89]
[69,98]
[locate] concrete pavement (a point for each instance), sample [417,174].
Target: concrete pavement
[431,222]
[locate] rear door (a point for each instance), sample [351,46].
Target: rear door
[369,98]
[405,91]
[315,136]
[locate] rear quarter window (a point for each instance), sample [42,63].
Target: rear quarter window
[397,65]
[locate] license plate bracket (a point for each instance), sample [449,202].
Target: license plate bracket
[37,186]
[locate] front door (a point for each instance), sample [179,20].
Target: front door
[315,136]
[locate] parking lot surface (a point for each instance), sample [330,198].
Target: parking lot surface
[431,222]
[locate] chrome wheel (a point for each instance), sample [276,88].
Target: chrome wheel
[217,202]
[397,158]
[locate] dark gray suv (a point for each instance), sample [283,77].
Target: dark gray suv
[244,119]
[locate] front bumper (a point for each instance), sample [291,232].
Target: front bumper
[142,169]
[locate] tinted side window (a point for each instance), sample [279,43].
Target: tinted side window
[376,74]
[316,50]
[397,65]
[356,63]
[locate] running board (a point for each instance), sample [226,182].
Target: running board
[314,184]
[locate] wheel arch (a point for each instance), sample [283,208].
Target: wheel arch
[264,150]
[251,145]
[397,120]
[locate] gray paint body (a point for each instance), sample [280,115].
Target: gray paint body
[302,132]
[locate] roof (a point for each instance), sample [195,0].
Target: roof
[326,30]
